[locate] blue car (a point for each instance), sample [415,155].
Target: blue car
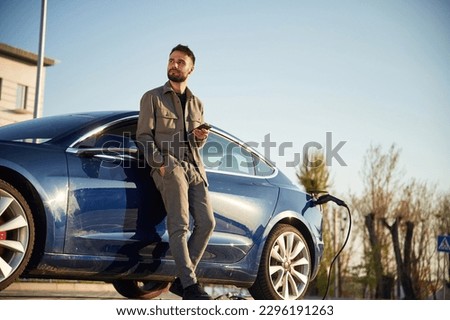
[77,202]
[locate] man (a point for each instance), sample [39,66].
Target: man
[168,129]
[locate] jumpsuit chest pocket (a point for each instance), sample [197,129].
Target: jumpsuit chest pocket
[166,120]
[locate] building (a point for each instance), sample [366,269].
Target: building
[18,72]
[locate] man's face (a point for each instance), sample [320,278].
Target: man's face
[179,67]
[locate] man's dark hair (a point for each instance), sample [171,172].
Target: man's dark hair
[186,50]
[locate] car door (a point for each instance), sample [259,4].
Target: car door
[112,199]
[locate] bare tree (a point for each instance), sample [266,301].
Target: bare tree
[442,227]
[399,220]
[380,175]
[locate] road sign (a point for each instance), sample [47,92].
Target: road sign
[444,243]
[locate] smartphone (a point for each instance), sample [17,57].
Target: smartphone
[204,126]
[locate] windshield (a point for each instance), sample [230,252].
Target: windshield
[44,129]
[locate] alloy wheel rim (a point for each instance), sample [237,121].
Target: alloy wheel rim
[14,234]
[289,266]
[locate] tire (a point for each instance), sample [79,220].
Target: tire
[17,234]
[285,268]
[134,289]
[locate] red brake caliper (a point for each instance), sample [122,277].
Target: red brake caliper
[2,237]
[2,233]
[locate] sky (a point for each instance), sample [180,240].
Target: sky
[341,75]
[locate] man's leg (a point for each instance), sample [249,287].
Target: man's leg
[201,210]
[174,191]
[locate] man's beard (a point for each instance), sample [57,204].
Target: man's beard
[176,78]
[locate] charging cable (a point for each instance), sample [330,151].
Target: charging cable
[322,200]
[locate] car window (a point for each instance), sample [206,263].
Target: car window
[262,168]
[219,153]
[222,154]
[117,136]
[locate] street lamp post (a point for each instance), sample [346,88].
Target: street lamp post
[40,64]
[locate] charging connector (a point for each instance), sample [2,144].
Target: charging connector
[326,198]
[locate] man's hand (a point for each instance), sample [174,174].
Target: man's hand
[200,134]
[162,170]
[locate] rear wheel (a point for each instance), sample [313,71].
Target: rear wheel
[17,234]
[134,289]
[285,269]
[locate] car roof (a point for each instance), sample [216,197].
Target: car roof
[58,129]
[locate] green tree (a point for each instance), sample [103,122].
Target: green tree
[314,176]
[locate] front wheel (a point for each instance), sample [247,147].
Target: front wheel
[285,268]
[134,289]
[16,234]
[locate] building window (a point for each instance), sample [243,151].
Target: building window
[21,99]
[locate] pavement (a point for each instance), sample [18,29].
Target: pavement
[48,289]
[66,290]
[36,289]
